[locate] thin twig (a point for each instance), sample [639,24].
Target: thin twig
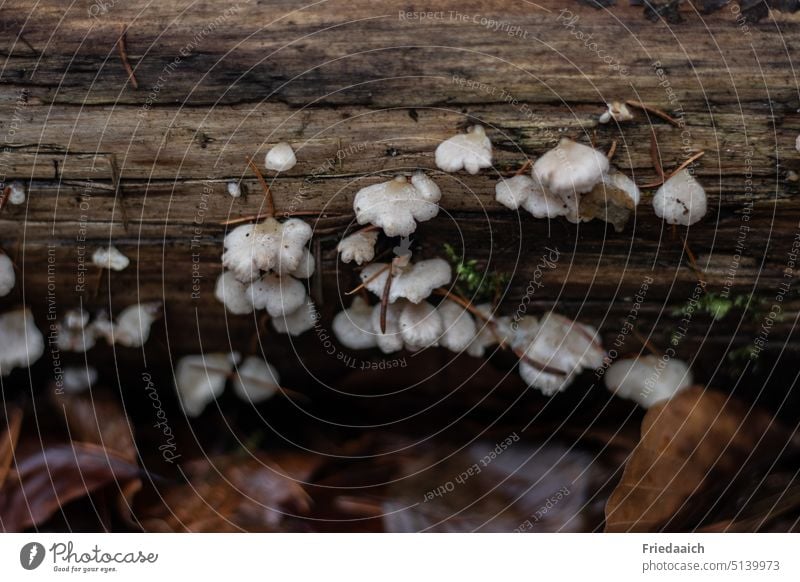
[657,112]
[385,297]
[693,261]
[655,155]
[267,192]
[683,166]
[117,185]
[612,150]
[123,54]
[525,167]
[370,280]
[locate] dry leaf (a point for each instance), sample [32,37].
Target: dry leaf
[690,445]
[607,203]
[49,478]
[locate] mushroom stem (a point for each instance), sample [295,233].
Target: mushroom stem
[368,281]
[385,296]
[123,55]
[680,168]
[657,112]
[267,193]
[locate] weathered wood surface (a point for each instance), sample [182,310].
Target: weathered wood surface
[363,93]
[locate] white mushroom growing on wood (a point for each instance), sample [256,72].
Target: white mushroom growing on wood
[459,328]
[280,296]
[570,169]
[358,247]
[199,379]
[680,200]
[74,334]
[471,151]
[234,189]
[618,111]
[298,321]
[648,380]
[7,276]
[16,193]
[233,294]
[131,328]
[420,325]
[353,326]
[110,258]
[397,205]
[414,281]
[389,340]
[280,158]
[256,380]
[22,342]
[528,193]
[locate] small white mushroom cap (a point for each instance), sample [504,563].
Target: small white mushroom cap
[256,380]
[618,111]
[280,296]
[234,189]
[199,379]
[305,268]
[232,293]
[298,321]
[16,193]
[390,341]
[459,326]
[420,325]
[132,327]
[397,205]
[531,195]
[77,379]
[267,246]
[358,247]
[353,326]
[470,151]
[491,330]
[110,258]
[680,200]
[22,342]
[7,276]
[414,282]
[73,335]
[648,380]
[562,347]
[280,158]
[570,169]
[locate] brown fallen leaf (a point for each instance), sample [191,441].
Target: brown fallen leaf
[8,441]
[607,203]
[227,493]
[46,479]
[691,446]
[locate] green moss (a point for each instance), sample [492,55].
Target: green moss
[471,281]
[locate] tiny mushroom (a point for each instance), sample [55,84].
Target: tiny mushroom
[358,247]
[298,321]
[570,169]
[415,281]
[680,200]
[76,379]
[110,258]
[421,325]
[648,380]
[132,327]
[7,276]
[256,380]
[16,193]
[74,334]
[618,111]
[199,379]
[391,340]
[529,193]
[397,205]
[22,341]
[353,327]
[280,158]
[471,151]
[280,296]
[459,326]
[232,293]
[234,189]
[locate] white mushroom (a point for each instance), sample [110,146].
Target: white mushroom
[397,205]
[358,247]
[256,380]
[420,325]
[234,189]
[648,380]
[110,258]
[232,293]
[305,268]
[7,276]
[471,151]
[391,340]
[132,327]
[280,296]
[414,282]
[570,169]
[200,379]
[680,200]
[266,246]
[22,342]
[353,326]
[280,158]
[459,326]
[73,335]
[531,195]
[16,193]
[618,111]
[555,351]
[76,379]
[298,321]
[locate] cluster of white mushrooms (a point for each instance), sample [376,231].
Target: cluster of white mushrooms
[77,332]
